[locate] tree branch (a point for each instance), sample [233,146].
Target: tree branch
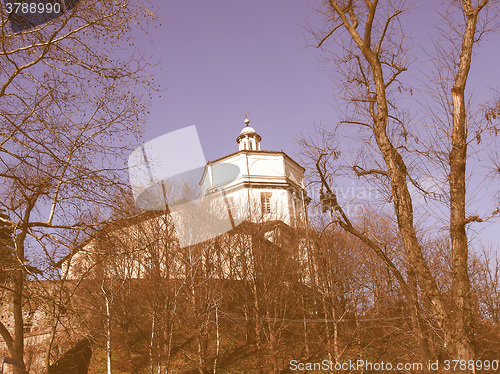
[329,34]
[9,341]
[361,172]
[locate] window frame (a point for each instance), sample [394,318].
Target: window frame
[265,202]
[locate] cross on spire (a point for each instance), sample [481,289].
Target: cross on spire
[247,121]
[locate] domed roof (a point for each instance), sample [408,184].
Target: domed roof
[247,130]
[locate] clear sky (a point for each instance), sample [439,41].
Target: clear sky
[221,58]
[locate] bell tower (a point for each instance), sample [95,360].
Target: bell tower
[248,140]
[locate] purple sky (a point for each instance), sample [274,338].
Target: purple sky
[223,57]
[220,58]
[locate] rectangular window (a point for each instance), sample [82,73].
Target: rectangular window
[230,205]
[265,201]
[27,327]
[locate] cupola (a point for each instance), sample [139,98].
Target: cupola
[248,140]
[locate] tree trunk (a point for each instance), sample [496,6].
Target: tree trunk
[455,321]
[306,338]
[17,302]
[171,334]
[107,325]
[258,331]
[273,341]
[462,333]
[335,334]
[327,332]
[17,299]
[217,337]
[152,342]
[417,323]
[108,337]
[49,347]
[396,167]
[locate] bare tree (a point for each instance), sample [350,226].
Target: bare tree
[372,58]
[65,103]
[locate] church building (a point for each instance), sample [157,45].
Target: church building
[261,187]
[269,185]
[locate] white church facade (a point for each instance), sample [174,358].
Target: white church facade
[268,188]
[269,185]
